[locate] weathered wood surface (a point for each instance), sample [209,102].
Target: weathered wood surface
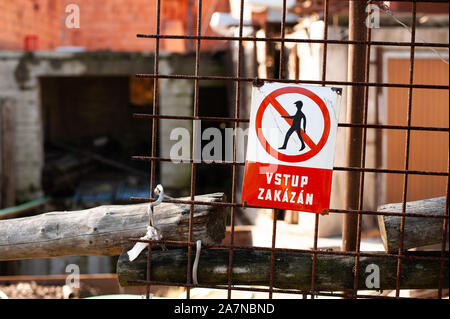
[105,230]
[418,231]
[292,270]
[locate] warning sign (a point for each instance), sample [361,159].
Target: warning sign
[291,144]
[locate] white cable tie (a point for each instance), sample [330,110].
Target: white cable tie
[152,232]
[134,252]
[197,258]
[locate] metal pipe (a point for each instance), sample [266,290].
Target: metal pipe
[355,114]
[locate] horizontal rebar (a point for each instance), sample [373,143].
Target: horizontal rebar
[251,79]
[336,168]
[294,250]
[291,40]
[331,210]
[273,290]
[244,120]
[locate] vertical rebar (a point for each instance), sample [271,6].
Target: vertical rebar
[154,132]
[407,148]
[314,261]
[324,77]
[275,211]
[272,252]
[194,148]
[235,141]
[363,165]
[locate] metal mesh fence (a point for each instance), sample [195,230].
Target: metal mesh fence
[360,45]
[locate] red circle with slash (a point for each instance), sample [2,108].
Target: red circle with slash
[314,148]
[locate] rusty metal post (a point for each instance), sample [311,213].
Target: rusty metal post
[189,25]
[355,113]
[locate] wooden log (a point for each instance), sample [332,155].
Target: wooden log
[105,230]
[419,231]
[292,269]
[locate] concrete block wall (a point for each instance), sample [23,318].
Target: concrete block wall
[177,97]
[19,80]
[28,151]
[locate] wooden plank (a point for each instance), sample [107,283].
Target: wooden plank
[419,231]
[105,230]
[292,270]
[7,189]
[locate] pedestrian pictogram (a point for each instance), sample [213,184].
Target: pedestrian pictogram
[298,126]
[279,111]
[291,144]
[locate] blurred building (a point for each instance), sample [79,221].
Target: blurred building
[73,91]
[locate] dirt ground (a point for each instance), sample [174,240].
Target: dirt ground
[31,290]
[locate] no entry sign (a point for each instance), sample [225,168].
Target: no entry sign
[291,144]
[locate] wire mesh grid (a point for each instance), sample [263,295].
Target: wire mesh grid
[361,42]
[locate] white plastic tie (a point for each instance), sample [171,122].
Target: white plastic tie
[197,258]
[134,252]
[152,232]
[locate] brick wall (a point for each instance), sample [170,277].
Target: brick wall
[19,18]
[104,25]
[113,24]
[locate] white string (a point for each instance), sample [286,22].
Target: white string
[385,9]
[152,230]
[159,190]
[195,266]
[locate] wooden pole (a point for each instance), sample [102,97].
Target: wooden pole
[292,270]
[106,230]
[419,231]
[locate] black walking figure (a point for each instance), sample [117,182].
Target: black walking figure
[298,117]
